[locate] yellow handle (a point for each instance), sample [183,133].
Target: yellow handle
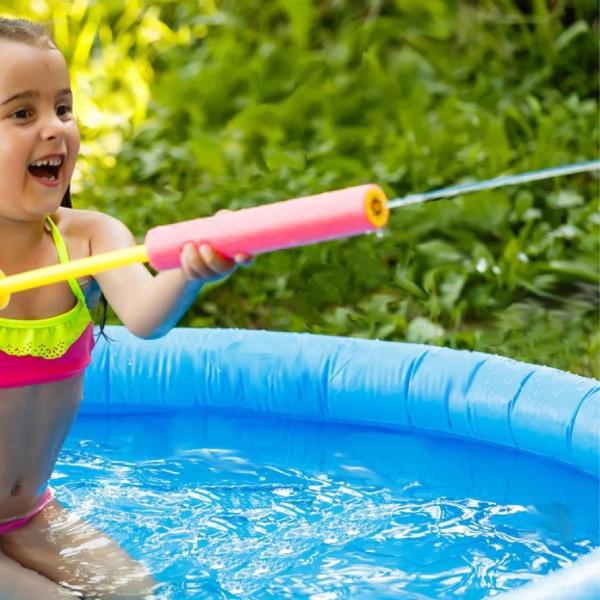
[69,270]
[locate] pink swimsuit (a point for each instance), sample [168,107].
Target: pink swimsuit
[13,524]
[39,351]
[18,371]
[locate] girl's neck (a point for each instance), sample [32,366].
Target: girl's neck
[21,243]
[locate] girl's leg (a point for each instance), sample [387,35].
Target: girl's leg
[71,552]
[19,583]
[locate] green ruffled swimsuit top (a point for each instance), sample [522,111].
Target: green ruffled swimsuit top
[40,351]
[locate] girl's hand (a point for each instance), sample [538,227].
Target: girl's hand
[202,262]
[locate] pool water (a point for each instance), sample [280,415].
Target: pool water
[222,507]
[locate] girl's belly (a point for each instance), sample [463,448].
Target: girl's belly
[34,422]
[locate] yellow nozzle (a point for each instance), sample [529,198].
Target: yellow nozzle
[376,206]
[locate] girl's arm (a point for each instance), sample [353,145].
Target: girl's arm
[149,306]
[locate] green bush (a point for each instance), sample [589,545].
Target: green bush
[191,106]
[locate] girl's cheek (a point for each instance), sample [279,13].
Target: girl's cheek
[76,140]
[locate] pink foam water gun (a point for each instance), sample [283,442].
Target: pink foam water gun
[286,224]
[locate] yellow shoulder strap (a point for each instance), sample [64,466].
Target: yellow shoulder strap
[63,257]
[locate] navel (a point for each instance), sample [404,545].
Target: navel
[16,489]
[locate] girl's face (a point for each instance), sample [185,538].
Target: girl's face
[39,137]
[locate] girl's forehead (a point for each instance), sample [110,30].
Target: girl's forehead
[30,67]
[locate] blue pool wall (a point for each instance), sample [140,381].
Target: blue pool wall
[470,395]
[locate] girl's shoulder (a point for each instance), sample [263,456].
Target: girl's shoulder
[90,222]
[89,231]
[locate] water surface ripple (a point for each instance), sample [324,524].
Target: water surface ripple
[222,506]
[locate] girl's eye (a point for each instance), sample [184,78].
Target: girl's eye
[63,110]
[22,113]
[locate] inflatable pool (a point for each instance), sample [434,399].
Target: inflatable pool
[454,406]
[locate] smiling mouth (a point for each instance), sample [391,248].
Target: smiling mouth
[46,168]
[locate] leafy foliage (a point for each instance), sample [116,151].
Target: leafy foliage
[192,106]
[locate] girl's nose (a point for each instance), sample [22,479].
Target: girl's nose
[53,128]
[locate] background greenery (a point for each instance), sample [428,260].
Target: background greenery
[190,106]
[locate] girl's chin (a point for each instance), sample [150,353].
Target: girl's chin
[39,207]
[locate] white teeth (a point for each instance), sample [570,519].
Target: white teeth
[52,162]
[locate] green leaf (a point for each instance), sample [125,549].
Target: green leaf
[423,331]
[300,13]
[410,286]
[568,35]
[276,159]
[564,199]
[574,270]
[438,252]
[451,288]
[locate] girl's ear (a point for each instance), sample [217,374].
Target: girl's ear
[66,201]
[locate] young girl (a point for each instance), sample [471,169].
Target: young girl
[46,334]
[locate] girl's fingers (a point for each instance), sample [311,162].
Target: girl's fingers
[243,259]
[193,265]
[218,264]
[205,263]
